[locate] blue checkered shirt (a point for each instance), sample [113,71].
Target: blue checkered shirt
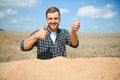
[46,49]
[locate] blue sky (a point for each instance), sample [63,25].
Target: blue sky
[96,16]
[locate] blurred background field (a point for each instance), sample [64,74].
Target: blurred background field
[90,45]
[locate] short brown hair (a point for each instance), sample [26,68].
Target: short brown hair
[52,10]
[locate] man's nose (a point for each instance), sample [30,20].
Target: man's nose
[53,20]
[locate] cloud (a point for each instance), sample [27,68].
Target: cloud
[18,3]
[7,12]
[64,11]
[14,21]
[96,27]
[97,13]
[111,24]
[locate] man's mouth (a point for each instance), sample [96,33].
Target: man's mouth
[54,24]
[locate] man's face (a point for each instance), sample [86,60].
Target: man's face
[53,20]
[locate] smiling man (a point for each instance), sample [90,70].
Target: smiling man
[51,42]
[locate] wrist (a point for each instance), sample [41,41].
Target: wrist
[35,36]
[73,32]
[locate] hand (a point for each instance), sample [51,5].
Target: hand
[42,33]
[76,26]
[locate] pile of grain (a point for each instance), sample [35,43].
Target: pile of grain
[60,68]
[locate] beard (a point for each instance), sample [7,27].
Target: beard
[53,27]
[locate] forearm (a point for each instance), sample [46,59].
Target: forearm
[29,42]
[75,28]
[74,38]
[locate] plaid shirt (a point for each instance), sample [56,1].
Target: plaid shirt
[46,49]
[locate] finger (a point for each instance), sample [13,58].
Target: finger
[42,27]
[76,26]
[77,22]
[74,29]
[46,34]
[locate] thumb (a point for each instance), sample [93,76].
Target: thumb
[42,27]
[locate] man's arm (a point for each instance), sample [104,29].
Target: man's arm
[29,42]
[75,28]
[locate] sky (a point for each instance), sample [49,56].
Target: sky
[96,16]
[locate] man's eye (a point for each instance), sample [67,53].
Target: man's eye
[56,18]
[50,18]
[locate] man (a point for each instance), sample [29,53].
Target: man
[51,41]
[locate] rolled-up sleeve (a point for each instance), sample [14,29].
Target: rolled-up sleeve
[22,45]
[75,46]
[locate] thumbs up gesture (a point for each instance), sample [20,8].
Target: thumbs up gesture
[42,33]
